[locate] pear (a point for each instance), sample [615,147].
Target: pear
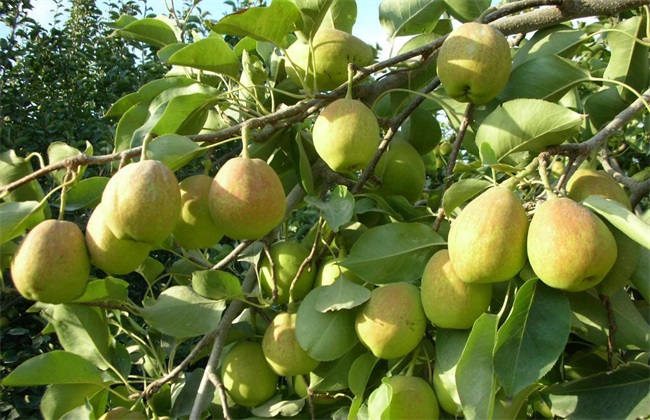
[122,413]
[401,172]
[195,228]
[346,135]
[287,257]
[282,350]
[301,388]
[569,248]
[142,202]
[445,398]
[51,265]
[586,182]
[247,377]
[474,63]
[413,398]
[107,252]
[331,269]
[448,301]
[487,241]
[333,50]
[392,322]
[246,199]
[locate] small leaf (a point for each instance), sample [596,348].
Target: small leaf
[108,289]
[211,54]
[466,10]
[360,372]
[462,191]
[304,167]
[55,367]
[19,217]
[341,15]
[146,93]
[622,218]
[338,210]
[152,31]
[86,193]
[182,313]
[449,348]
[58,151]
[342,294]
[216,284]
[173,150]
[409,17]
[60,399]
[276,406]
[379,400]
[129,124]
[13,168]
[184,114]
[313,12]
[560,40]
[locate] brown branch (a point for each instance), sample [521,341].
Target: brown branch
[518,6]
[638,189]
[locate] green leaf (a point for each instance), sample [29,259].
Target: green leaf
[182,313]
[13,168]
[342,294]
[622,393]
[304,167]
[271,24]
[108,289]
[147,93]
[619,216]
[475,378]
[559,40]
[153,31]
[341,15]
[360,372]
[313,12]
[466,10]
[18,217]
[173,150]
[211,54]
[449,348]
[409,17]
[334,375]
[62,398]
[58,151]
[379,400]
[338,210]
[129,124]
[216,284]
[55,367]
[603,106]
[393,252]
[641,276]
[150,269]
[85,194]
[462,191]
[185,114]
[325,336]
[554,77]
[533,337]
[277,406]
[527,125]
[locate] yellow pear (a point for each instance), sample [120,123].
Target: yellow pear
[247,377]
[246,199]
[142,202]
[287,257]
[569,248]
[413,398]
[195,228]
[401,172]
[586,182]
[282,350]
[487,241]
[51,265]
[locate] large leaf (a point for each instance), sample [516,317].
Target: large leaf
[211,54]
[181,110]
[561,40]
[153,31]
[622,218]
[342,294]
[18,217]
[466,10]
[55,367]
[62,398]
[622,393]
[603,106]
[409,17]
[462,191]
[313,12]
[13,168]
[87,193]
[525,125]
[173,150]
[341,15]
[271,24]
[57,152]
[182,313]
[533,336]
[393,252]
[146,93]
[129,124]
[449,348]
[108,289]
[336,211]
[216,284]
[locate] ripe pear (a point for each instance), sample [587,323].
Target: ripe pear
[487,241]
[448,301]
[346,135]
[247,377]
[51,265]
[586,182]
[142,202]
[445,399]
[392,322]
[333,50]
[287,257]
[107,252]
[401,172]
[474,63]
[413,398]
[195,228]
[282,350]
[569,248]
[246,199]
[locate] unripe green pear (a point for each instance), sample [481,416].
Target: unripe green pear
[287,257]
[195,228]
[474,63]
[413,398]
[448,301]
[247,376]
[331,269]
[586,182]
[282,350]
[51,265]
[142,202]
[487,241]
[107,252]
[346,135]
[392,322]
[333,50]
[122,413]
[401,172]
[569,248]
[246,199]
[445,399]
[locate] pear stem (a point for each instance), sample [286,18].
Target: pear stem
[245,139]
[512,182]
[351,73]
[611,321]
[145,143]
[543,174]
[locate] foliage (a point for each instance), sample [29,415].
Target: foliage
[152,340]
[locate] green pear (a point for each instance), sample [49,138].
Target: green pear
[401,172]
[474,63]
[444,396]
[331,269]
[392,322]
[51,265]
[333,50]
[282,350]
[195,228]
[142,202]
[287,257]
[107,252]
[586,182]
[122,413]
[246,199]
[413,398]
[487,241]
[448,301]
[569,248]
[346,135]
[246,375]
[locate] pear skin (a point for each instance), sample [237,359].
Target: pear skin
[282,350]
[586,182]
[247,377]
[195,228]
[401,172]
[287,257]
[413,398]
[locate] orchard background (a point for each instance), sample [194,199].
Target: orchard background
[100,89]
